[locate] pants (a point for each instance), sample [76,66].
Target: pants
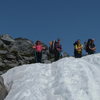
[91,52]
[38,57]
[57,55]
[77,54]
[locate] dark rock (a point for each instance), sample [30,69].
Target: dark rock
[2,64]
[44,56]
[6,61]
[0,59]
[21,62]
[10,57]
[1,72]
[8,64]
[46,61]
[11,65]
[1,43]
[3,91]
[29,59]
[3,52]
[3,47]
[23,46]
[7,39]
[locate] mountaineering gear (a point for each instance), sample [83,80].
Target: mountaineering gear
[86,45]
[90,46]
[78,49]
[51,47]
[38,51]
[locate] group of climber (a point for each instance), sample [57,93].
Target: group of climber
[89,47]
[55,49]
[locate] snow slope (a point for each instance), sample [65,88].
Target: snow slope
[66,79]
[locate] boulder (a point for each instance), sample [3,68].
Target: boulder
[3,52]
[44,57]
[3,90]
[29,59]
[3,46]
[2,64]
[7,39]
[7,64]
[0,60]
[23,46]
[46,61]
[1,43]
[10,56]
[1,72]
[11,65]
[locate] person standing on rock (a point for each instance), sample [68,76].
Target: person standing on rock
[58,50]
[51,49]
[38,48]
[90,46]
[78,49]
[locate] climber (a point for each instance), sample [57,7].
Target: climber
[57,49]
[78,49]
[51,47]
[38,48]
[90,46]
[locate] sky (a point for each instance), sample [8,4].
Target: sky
[48,20]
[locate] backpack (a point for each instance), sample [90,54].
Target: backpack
[57,46]
[75,43]
[86,45]
[51,47]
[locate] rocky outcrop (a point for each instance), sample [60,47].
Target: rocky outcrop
[3,91]
[15,52]
[6,39]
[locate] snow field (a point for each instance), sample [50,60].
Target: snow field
[66,79]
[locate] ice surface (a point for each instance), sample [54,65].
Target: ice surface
[66,79]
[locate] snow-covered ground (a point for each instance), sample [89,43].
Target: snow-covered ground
[66,79]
